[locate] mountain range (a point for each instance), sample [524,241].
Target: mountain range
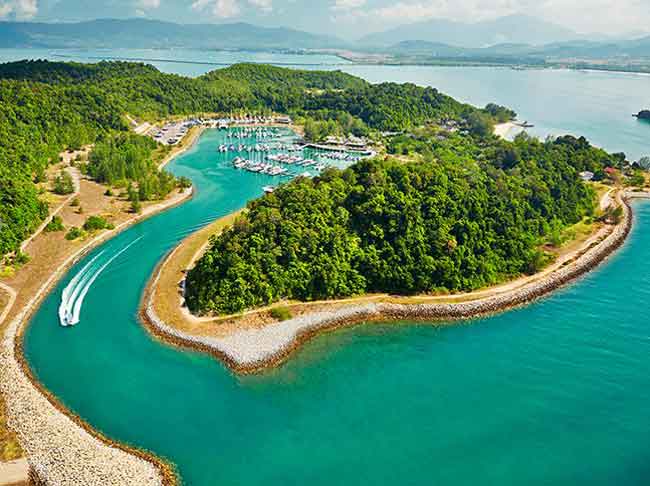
[517,29]
[512,36]
[145,33]
[634,49]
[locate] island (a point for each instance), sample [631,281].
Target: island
[643,115]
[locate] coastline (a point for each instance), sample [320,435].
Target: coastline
[93,440]
[53,437]
[478,63]
[251,349]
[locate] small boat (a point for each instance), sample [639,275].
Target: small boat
[268,189]
[65,316]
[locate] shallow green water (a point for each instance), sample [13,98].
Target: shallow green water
[556,393]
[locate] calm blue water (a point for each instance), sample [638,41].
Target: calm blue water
[555,393]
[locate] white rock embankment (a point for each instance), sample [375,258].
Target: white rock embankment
[60,451]
[253,349]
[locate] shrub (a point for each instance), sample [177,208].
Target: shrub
[184,182]
[95,223]
[281,313]
[74,233]
[635,180]
[63,184]
[55,224]
[136,206]
[20,258]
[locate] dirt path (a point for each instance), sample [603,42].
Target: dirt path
[11,293]
[76,180]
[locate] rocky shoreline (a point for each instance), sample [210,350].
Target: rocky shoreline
[60,447]
[251,350]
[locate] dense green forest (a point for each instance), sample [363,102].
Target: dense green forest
[128,157]
[471,214]
[46,107]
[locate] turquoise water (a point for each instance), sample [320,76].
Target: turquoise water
[555,393]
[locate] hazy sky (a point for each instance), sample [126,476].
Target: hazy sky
[348,18]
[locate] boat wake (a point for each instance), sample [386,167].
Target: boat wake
[74,293]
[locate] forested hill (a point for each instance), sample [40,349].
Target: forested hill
[142,90]
[48,106]
[470,215]
[264,76]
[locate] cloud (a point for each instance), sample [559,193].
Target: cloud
[592,15]
[404,12]
[225,9]
[148,4]
[342,5]
[5,10]
[264,5]
[18,9]
[603,15]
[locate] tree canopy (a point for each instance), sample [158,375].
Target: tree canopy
[470,215]
[46,107]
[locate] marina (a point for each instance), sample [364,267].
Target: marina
[262,140]
[279,153]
